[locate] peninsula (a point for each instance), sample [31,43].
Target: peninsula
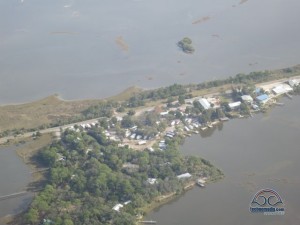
[124,158]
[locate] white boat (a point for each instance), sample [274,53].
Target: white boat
[200,182]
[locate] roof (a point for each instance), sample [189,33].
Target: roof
[262,97]
[164,113]
[151,180]
[234,104]
[257,90]
[204,103]
[293,83]
[185,175]
[247,98]
[281,89]
[117,207]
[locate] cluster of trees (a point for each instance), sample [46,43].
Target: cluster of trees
[89,174]
[186,45]
[248,79]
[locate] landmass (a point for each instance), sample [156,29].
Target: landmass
[122,44]
[125,159]
[201,20]
[186,45]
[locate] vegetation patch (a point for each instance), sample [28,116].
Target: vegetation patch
[90,174]
[186,45]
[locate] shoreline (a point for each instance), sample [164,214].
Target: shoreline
[133,88]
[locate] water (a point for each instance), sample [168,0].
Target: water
[261,152]
[69,46]
[15,176]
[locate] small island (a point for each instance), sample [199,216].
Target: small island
[186,45]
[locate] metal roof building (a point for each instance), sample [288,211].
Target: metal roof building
[247,98]
[262,98]
[204,103]
[281,89]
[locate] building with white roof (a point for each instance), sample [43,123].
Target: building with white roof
[117,207]
[185,175]
[293,82]
[205,104]
[282,88]
[234,105]
[247,98]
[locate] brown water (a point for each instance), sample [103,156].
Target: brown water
[14,176]
[261,152]
[69,46]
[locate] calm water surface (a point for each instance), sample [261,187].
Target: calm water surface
[261,152]
[14,176]
[69,46]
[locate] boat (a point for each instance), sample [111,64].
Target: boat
[201,183]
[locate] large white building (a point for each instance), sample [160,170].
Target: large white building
[204,103]
[234,105]
[282,88]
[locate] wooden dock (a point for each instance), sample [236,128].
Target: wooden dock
[40,170]
[14,195]
[148,222]
[288,95]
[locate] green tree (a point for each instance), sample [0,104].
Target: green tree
[131,112]
[127,122]
[181,99]
[68,222]
[32,216]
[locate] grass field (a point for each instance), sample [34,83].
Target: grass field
[49,110]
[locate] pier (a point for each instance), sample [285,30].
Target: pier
[40,170]
[14,195]
[148,222]
[289,96]
[279,103]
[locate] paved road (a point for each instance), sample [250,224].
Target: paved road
[57,129]
[48,130]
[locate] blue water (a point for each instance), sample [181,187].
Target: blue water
[256,153]
[69,46]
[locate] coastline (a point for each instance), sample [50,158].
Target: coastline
[165,199]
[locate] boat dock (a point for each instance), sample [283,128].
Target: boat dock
[279,103]
[14,195]
[289,96]
[148,222]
